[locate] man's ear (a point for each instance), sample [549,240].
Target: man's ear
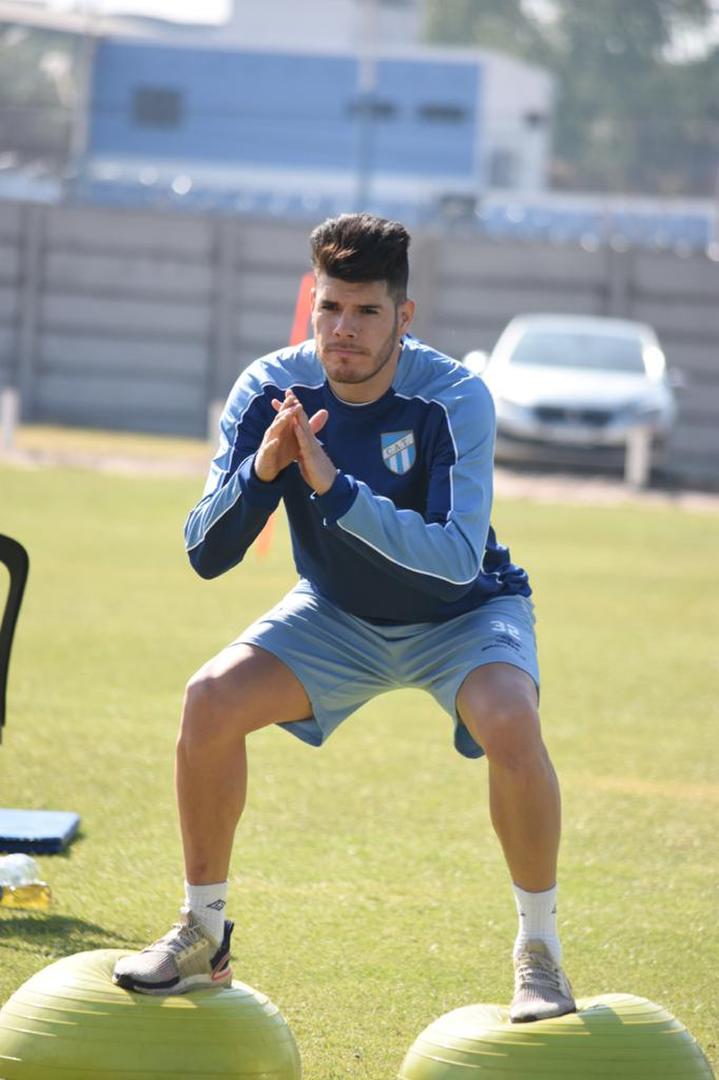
[406,315]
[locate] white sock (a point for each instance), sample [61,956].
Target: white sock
[537,913]
[207,904]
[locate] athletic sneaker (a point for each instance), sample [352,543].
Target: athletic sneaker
[184,959]
[541,989]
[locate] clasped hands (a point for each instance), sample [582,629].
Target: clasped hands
[292,436]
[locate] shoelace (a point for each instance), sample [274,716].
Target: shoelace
[179,937]
[533,967]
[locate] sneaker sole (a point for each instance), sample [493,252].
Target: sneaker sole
[533,1018]
[179,986]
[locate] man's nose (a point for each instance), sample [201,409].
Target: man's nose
[344,325]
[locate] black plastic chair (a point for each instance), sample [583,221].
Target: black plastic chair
[14,556]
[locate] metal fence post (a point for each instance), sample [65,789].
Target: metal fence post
[9,416]
[221,359]
[29,308]
[638,458]
[619,286]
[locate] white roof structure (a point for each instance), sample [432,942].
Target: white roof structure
[67,22]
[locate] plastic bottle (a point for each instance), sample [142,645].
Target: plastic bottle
[20,884]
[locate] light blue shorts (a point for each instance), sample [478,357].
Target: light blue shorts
[343,661]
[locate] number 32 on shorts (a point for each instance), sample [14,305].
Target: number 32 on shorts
[501,627]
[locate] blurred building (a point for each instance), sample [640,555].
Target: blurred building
[331,104]
[296,110]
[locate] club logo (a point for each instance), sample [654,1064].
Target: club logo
[398,451]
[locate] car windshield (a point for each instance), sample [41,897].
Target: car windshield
[578,349]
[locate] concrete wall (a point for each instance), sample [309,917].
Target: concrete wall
[140,320]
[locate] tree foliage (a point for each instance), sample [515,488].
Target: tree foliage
[631,115]
[489,24]
[35,87]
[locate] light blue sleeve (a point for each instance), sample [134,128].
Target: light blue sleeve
[235,504]
[445,557]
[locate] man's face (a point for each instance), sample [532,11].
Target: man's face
[357,329]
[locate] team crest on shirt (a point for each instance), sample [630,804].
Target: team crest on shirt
[398,451]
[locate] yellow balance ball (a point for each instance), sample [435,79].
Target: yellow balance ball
[611,1037]
[69,1021]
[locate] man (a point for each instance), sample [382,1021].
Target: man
[381,449]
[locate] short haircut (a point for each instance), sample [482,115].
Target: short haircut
[362,247]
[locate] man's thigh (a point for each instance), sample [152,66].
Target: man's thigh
[498,635]
[495,697]
[340,661]
[251,684]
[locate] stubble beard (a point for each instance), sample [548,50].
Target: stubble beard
[383,356]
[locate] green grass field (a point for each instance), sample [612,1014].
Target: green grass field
[368,889]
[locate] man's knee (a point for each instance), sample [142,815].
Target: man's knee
[205,692]
[502,717]
[209,715]
[509,734]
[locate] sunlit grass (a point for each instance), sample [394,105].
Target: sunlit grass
[46,440]
[368,889]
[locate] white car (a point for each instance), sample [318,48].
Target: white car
[575,382]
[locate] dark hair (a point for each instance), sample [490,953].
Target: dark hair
[362,247]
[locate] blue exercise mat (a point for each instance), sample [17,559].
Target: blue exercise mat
[43,831]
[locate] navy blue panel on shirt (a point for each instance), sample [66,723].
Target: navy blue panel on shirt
[404,534]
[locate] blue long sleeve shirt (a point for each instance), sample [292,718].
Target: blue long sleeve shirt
[404,533]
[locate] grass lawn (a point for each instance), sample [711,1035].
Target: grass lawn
[368,889]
